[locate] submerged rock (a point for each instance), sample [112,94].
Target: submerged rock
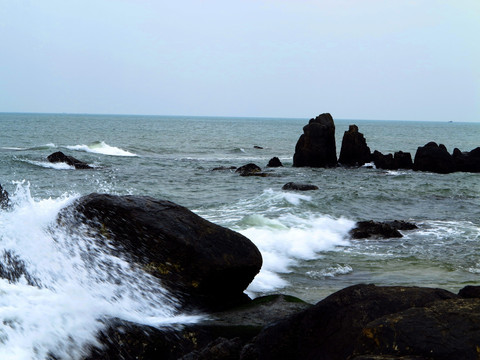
[382,230]
[223,168]
[299,187]
[209,264]
[70,160]
[274,162]
[4,200]
[250,170]
[316,146]
[354,151]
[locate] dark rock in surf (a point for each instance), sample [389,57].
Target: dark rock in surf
[329,329]
[274,162]
[447,329]
[4,200]
[250,170]
[380,230]
[222,333]
[299,187]
[258,147]
[354,151]
[209,264]
[403,160]
[467,161]
[382,161]
[316,146]
[470,292]
[70,160]
[434,158]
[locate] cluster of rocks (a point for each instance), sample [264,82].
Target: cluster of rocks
[316,148]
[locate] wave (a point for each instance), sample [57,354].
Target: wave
[289,239]
[57,286]
[100,147]
[48,165]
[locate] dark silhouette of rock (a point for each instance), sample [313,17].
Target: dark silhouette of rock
[299,187]
[380,230]
[250,170]
[274,162]
[208,263]
[385,162]
[257,147]
[354,151]
[469,292]
[4,200]
[403,160]
[70,160]
[443,330]
[328,330]
[434,158]
[316,146]
[467,161]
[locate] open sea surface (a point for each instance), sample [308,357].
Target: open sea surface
[303,236]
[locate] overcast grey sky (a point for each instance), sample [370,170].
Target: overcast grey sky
[357,59]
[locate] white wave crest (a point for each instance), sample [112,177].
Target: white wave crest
[49,165]
[330,271]
[288,239]
[100,147]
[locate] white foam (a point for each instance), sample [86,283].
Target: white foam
[80,284]
[296,239]
[100,147]
[49,165]
[330,271]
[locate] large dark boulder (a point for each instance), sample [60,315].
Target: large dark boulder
[467,161]
[354,151]
[434,158]
[70,160]
[328,330]
[4,200]
[316,146]
[444,330]
[209,264]
[380,230]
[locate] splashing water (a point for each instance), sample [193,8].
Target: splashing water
[58,285]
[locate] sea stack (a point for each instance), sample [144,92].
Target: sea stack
[316,146]
[354,151]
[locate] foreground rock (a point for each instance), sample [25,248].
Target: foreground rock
[250,170]
[221,336]
[316,146]
[4,200]
[380,230]
[210,264]
[354,151]
[299,187]
[329,329]
[443,330]
[59,157]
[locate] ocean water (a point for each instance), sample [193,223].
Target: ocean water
[63,295]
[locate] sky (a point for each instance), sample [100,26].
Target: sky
[356,59]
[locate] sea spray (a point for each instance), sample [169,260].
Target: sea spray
[67,286]
[100,147]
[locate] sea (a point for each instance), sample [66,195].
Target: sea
[65,285]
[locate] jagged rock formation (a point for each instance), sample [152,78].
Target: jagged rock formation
[316,146]
[70,160]
[354,151]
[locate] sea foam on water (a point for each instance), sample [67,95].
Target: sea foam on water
[63,285]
